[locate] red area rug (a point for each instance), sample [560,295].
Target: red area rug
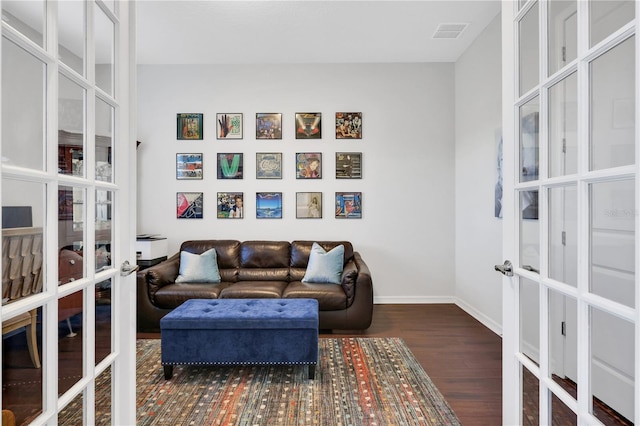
[359,381]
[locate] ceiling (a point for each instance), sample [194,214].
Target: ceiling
[305,31]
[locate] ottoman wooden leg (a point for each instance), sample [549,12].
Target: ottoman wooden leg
[312,371]
[168,371]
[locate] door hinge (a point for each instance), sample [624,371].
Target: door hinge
[564,238]
[564,54]
[564,145]
[563,328]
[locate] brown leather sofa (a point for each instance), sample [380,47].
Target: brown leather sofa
[260,269]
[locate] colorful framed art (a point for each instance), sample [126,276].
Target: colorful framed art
[349,205]
[268,125]
[348,165]
[189,166]
[268,205]
[348,125]
[309,205]
[308,125]
[189,205]
[230,205]
[230,165]
[229,125]
[309,165]
[189,126]
[268,165]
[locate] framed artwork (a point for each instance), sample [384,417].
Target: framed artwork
[268,205]
[230,166]
[309,165]
[190,126]
[268,125]
[348,125]
[65,204]
[309,205]
[189,166]
[308,125]
[348,165]
[268,165]
[230,205]
[189,205]
[349,205]
[229,125]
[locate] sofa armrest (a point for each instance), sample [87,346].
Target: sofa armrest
[162,274]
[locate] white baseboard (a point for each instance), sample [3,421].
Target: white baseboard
[403,300]
[485,320]
[407,300]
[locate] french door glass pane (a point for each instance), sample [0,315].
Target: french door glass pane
[612,107]
[605,17]
[103,328]
[562,35]
[70,340]
[104,47]
[612,363]
[530,319]
[71,217]
[23,102]
[530,398]
[104,141]
[103,229]
[71,35]
[23,273]
[563,235]
[528,47]
[560,413]
[529,149]
[612,236]
[563,341]
[563,126]
[103,397]
[71,124]
[72,413]
[28,17]
[529,231]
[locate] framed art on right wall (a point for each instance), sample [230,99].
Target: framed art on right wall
[348,125]
[348,165]
[349,205]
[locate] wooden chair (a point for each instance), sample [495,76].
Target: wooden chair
[22,277]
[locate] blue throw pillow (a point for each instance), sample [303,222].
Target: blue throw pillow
[323,266]
[199,268]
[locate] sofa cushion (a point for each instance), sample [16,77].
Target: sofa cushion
[254,290]
[330,297]
[198,268]
[300,251]
[324,266]
[264,254]
[227,251]
[173,295]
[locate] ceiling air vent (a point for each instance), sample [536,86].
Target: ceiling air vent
[449,30]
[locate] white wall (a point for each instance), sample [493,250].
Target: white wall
[478,242]
[406,234]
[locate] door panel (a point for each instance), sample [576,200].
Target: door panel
[574,293]
[65,124]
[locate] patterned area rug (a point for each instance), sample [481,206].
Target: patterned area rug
[359,381]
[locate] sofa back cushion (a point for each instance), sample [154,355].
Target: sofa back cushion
[300,251]
[227,252]
[264,261]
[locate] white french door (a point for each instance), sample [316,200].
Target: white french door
[68,211]
[571,298]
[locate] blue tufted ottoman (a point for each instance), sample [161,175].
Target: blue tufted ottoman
[241,331]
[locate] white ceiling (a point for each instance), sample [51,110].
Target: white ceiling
[305,31]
